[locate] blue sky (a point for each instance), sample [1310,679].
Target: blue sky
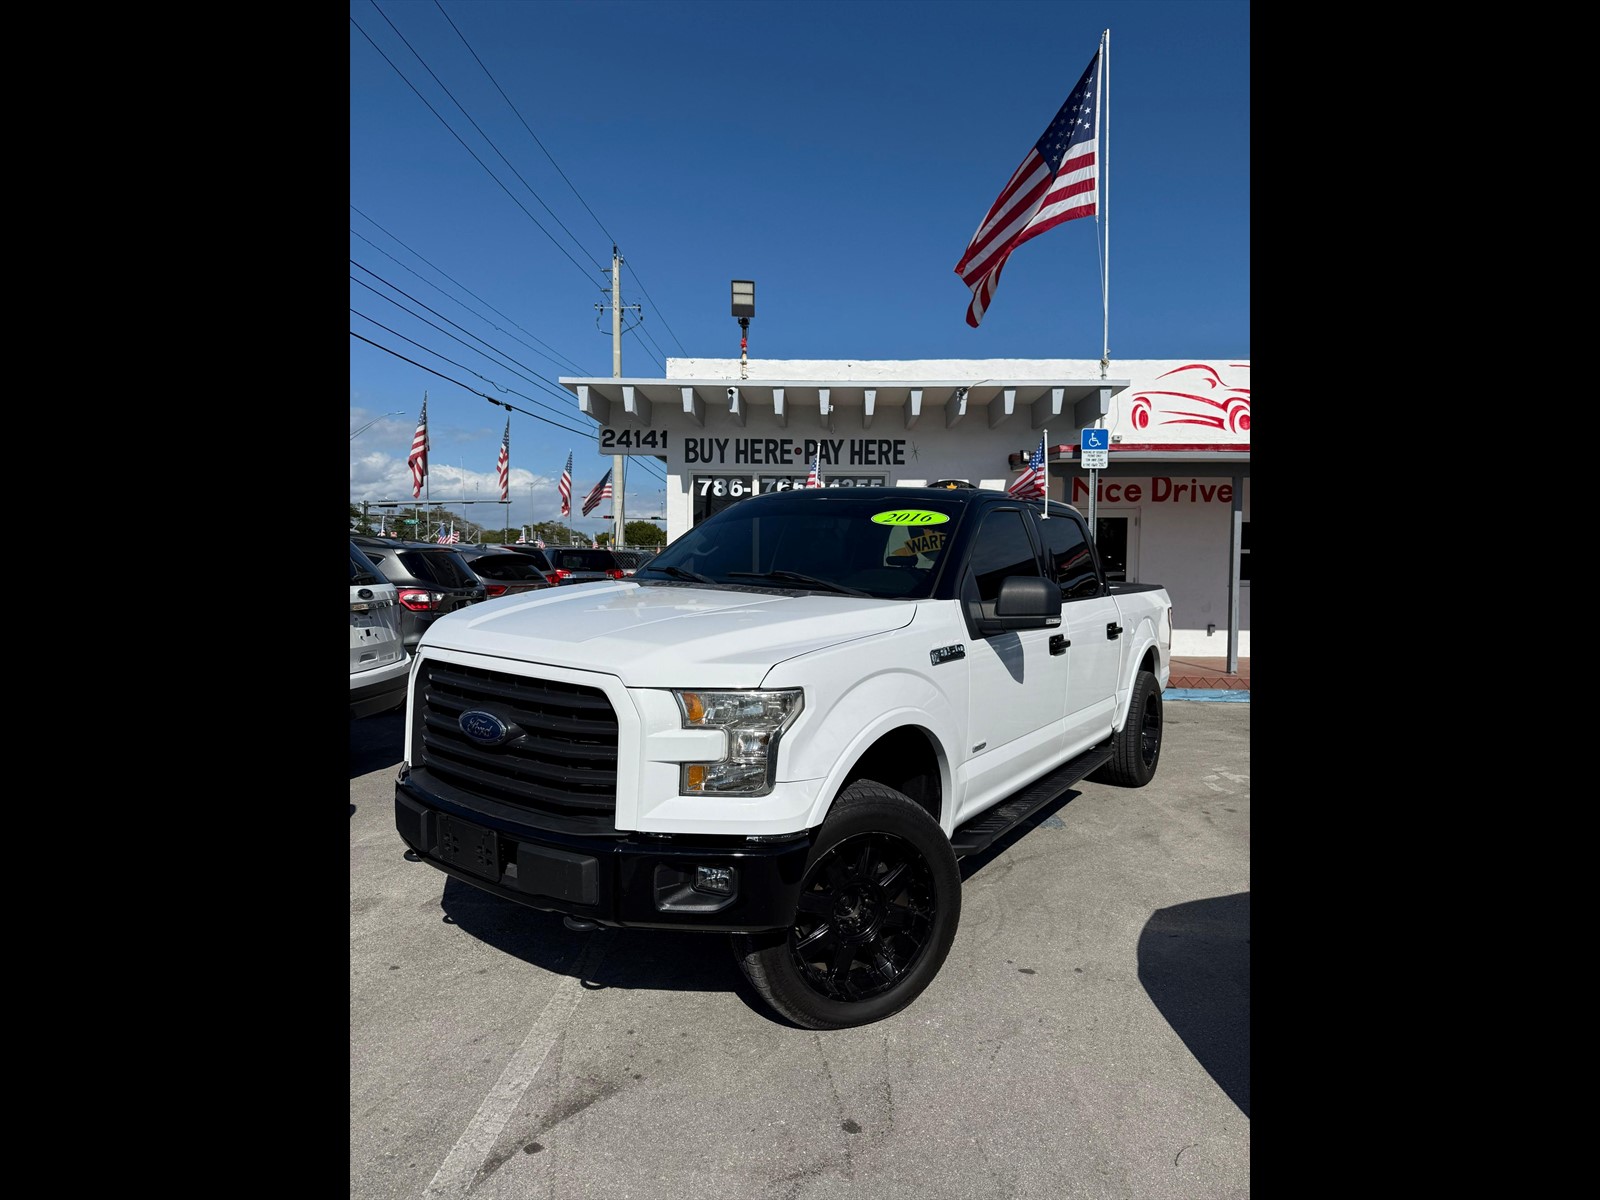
[839,153]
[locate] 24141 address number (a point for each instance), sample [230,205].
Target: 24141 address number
[632,441]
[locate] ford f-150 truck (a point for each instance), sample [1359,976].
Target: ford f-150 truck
[788,727]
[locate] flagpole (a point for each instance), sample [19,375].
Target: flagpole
[1045,467]
[1103,182]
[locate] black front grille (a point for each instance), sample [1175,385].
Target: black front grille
[561,761]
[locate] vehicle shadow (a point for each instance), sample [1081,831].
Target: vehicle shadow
[658,960]
[376,742]
[1194,962]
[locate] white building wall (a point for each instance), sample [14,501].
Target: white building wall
[1184,546]
[1183,520]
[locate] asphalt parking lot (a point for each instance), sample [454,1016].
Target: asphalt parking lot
[1088,1035]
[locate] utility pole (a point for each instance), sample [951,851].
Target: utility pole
[618,461]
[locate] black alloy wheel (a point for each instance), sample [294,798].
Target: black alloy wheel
[879,902]
[867,910]
[1136,748]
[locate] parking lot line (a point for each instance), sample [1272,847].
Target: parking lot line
[462,1164]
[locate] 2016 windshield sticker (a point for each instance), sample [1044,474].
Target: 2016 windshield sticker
[910,516]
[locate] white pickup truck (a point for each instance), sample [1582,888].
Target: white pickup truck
[788,727]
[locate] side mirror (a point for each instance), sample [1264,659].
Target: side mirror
[1025,602]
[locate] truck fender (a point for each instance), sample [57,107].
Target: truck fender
[865,712]
[1144,637]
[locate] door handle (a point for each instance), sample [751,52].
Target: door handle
[1113,630]
[1059,644]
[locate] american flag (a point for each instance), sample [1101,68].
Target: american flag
[1058,181]
[522,538]
[444,536]
[539,542]
[503,463]
[454,536]
[565,487]
[814,476]
[418,462]
[602,491]
[1030,484]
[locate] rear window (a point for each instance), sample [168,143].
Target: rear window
[535,556]
[585,560]
[443,567]
[505,567]
[362,572]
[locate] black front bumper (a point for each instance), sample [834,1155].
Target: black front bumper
[631,880]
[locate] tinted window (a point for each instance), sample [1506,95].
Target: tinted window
[1002,550]
[536,556]
[504,567]
[1070,558]
[441,567]
[585,560]
[362,571]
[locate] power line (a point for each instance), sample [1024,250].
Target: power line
[463,366]
[551,386]
[479,128]
[475,158]
[640,340]
[525,124]
[554,356]
[664,324]
[556,391]
[490,76]
[643,461]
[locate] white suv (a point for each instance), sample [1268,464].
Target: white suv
[379,664]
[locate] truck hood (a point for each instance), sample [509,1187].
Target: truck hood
[664,636]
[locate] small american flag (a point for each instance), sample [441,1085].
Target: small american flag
[1030,484]
[601,491]
[522,538]
[418,462]
[1058,181]
[454,536]
[539,542]
[814,476]
[565,487]
[503,463]
[444,536]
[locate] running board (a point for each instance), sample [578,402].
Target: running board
[982,831]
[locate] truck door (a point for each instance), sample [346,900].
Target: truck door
[1017,695]
[1088,612]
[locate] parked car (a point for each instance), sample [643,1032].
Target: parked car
[632,560]
[538,556]
[503,573]
[571,564]
[379,664]
[579,564]
[431,580]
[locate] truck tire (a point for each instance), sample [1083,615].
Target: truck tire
[879,904]
[1136,748]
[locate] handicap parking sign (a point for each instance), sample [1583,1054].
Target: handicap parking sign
[1094,446]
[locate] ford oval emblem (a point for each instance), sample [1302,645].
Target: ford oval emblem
[483,727]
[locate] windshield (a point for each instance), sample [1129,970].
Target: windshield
[856,545]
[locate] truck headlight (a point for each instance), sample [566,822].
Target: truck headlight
[753,723]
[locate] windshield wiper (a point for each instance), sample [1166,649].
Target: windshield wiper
[681,573]
[796,577]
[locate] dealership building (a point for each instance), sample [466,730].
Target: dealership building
[1170,506]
